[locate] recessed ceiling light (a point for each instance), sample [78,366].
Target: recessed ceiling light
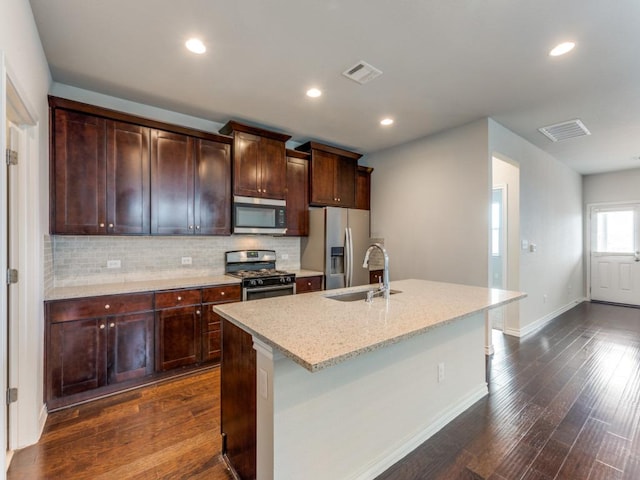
[561,49]
[196,46]
[386,122]
[314,92]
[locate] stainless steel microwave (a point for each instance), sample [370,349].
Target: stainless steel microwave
[264,216]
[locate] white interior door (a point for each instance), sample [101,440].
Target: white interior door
[615,254]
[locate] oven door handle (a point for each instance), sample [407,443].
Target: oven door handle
[246,291]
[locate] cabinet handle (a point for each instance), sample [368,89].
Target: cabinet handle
[101,225]
[102,326]
[179,298]
[111,325]
[107,306]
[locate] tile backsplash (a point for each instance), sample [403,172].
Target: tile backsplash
[82,260]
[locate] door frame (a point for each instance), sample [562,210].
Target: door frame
[590,207]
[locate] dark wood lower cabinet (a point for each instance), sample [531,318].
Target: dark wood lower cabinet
[178,337]
[88,354]
[238,400]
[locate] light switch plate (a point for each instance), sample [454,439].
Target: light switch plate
[114,264]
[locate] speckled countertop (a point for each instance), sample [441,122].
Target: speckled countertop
[61,293]
[318,332]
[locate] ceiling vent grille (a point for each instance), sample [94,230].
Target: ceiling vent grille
[362,72]
[565,130]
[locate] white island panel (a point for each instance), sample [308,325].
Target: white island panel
[356,419]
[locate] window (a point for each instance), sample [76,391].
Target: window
[615,231]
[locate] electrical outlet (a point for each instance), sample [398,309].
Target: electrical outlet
[544,298]
[186,260]
[284,256]
[441,372]
[114,264]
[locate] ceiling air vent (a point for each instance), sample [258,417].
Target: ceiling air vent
[362,72]
[565,130]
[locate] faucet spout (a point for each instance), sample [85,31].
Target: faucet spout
[385,276]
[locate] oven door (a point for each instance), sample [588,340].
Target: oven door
[256,293]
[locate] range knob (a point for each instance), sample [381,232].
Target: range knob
[252,283]
[260,282]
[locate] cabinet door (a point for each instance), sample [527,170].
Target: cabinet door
[323,178]
[213,188]
[273,169]
[130,347]
[363,189]
[127,177]
[178,337]
[297,197]
[172,183]
[345,182]
[77,357]
[211,337]
[246,165]
[78,172]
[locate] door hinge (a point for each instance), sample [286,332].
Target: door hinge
[12,157]
[12,395]
[12,276]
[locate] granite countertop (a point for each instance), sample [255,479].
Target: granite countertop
[318,332]
[60,293]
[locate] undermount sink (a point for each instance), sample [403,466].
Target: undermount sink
[355,296]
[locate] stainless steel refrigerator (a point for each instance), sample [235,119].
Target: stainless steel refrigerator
[338,239]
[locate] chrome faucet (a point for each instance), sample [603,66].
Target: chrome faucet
[385,276]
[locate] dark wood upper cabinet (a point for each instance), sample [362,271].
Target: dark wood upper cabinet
[213,187]
[114,173]
[297,193]
[78,174]
[172,183]
[332,175]
[363,187]
[259,164]
[190,185]
[128,210]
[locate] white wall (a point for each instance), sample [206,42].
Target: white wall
[551,218]
[430,202]
[623,186]
[28,70]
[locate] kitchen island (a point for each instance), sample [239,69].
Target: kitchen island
[322,388]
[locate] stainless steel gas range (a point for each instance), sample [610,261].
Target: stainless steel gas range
[257,269]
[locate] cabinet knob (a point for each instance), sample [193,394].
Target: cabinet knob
[107,306]
[101,225]
[338,199]
[179,298]
[197,312]
[309,284]
[112,324]
[259,190]
[111,225]
[222,293]
[190,227]
[197,227]
[102,326]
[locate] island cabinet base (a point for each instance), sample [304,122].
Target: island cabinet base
[238,401]
[355,419]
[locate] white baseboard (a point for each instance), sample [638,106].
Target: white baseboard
[42,420]
[379,465]
[541,322]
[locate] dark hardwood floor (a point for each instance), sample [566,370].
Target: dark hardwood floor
[166,431]
[564,403]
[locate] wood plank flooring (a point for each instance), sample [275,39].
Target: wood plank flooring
[563,404]
[165,431]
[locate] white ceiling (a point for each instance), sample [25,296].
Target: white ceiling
[445,63]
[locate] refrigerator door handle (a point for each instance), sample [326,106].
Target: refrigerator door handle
[350,257]
[347,258]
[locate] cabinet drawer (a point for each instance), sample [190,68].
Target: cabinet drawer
[210,319]
[308,284]
[92,307]
[178,298]
[226,293]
